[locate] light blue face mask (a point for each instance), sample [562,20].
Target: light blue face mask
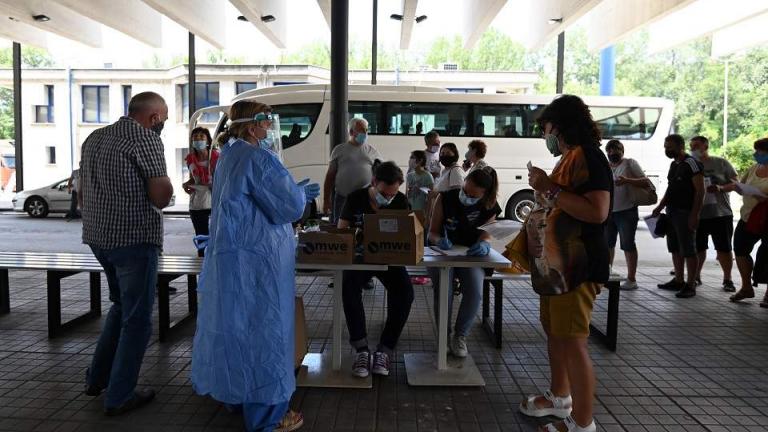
[553,144]
[467,201]
[199,144]
[762,159]
[267,143]
[382,201]
[361,138]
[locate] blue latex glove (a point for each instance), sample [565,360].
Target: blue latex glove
[200,241]
[311,190]
[481,248]
[444,243]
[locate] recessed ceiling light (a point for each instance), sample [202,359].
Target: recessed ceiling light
[396,17]
[420,18]
[555,20]
[268,18]
[41,18]
[242,18]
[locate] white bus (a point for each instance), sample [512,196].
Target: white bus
[399,116]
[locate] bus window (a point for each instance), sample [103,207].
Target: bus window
[626,122]
[407,118]
[510,121]
[296,121]
[370,111]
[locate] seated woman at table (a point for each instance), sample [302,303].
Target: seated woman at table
[455,220]
[382,194]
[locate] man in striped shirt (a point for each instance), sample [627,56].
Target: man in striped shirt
[123,186]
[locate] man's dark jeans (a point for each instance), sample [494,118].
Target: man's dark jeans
[399,300]
[132,277]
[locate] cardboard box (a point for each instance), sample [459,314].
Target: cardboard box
[393,237]
[329,246]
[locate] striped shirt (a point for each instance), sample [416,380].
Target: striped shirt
[116,164]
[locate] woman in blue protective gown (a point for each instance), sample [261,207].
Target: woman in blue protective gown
[243,353]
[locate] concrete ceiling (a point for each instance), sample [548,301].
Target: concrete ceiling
[733,24]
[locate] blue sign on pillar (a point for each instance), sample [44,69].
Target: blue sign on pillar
[607,70]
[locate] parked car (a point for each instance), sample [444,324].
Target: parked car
[54,198]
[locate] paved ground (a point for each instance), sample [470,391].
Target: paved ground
[693,365]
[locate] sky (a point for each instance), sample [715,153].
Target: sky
[243,40]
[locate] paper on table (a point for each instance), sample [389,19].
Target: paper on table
[456,250]
[747,189]
[651,221]
[502,229]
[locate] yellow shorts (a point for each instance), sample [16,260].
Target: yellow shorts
[568,315]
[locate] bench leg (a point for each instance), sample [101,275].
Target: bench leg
[192,293]
[164,303]
[498,302]
[95,283]
[55,326]
[163,306]
[5,296]
[498,294]
[611,335]
[614,293]
[486,301]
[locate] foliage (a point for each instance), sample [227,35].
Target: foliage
[30,57]
[739,152]
[6,114]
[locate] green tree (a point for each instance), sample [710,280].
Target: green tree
[30,57]
[495,51]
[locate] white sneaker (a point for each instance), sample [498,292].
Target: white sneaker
[361,368]
[628,285]
[459,346]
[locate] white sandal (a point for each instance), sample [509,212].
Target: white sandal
[561,406]
[572,426]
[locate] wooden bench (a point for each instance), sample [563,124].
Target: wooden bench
[496,281]
[61,265]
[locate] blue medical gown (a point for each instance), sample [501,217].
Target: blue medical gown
[244,345]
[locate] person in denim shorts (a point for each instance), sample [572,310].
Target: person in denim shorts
[622,222]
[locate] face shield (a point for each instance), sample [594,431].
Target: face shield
[272,141]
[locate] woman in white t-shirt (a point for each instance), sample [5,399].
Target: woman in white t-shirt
[452,176]
[623,219]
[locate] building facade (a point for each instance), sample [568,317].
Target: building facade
[61,107]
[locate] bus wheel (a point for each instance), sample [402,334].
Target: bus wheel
[520,206]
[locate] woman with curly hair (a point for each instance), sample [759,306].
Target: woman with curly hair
[569,258]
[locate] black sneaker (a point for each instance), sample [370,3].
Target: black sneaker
[380,363]
[139,399]
[672,285]
[369,286]
[687,292]
[92,390]
[728,286]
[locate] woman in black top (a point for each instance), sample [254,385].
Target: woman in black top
[382,194]
[455,220]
